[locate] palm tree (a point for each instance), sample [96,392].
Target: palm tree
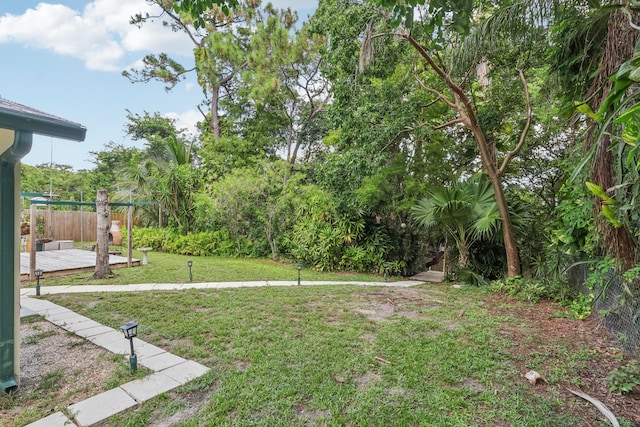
[169,178]
[467,211]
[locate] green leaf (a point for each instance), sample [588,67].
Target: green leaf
[583,163]
[596,190]
[635,75]
[585,109]
[631,138]
[632,153]
[610,214]
[623,70]
[626,116]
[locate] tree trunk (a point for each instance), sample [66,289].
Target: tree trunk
[508,234]
[215,117]
[618,242]
[272,244]
[461,103]
[102,269]
[463,255]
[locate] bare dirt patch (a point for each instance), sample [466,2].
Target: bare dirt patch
[365,380]
[241,365]
[312,417]
[535,328]
[57,369]
[376,311]
[179,417]
[403,302]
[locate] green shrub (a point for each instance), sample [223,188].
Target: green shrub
[356,258]
[208,243]
[155,238]
[625,378]
[524,289]
[580,307]
[467,276]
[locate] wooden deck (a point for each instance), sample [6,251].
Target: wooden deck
[68,261]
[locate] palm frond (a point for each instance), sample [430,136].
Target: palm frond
[515,21]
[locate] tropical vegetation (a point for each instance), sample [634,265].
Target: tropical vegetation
[356,138]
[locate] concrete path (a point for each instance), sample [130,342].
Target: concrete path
[52,290]
[169,370]
[431,276]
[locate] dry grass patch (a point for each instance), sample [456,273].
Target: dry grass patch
[57,369]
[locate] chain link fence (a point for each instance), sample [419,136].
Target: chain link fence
[617,302]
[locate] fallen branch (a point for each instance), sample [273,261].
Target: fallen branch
[599,405]
[380,359]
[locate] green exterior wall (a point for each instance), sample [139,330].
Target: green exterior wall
[18,123]
[9,260]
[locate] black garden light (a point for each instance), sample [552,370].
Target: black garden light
[299,267]
[190,264]
[130,331]
[384,269]
[38,273]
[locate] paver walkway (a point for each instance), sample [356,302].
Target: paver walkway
[169,370]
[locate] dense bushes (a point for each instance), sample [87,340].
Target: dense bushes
[204,243]
[328,245]
[318,245]
[319,242]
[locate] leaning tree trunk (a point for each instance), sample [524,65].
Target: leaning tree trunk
[461,103]
[102,243]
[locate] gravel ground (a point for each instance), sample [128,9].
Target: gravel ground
[57,369]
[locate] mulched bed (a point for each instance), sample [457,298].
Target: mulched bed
[533,327]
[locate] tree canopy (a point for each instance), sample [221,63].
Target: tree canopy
[330,141]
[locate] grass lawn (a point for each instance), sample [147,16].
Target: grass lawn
[430,355]
[168,268]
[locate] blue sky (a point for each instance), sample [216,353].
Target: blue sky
[66,59]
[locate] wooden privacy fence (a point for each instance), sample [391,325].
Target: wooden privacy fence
[78,226]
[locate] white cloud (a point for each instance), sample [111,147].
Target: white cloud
[186,120]
[294,4]
[100,36]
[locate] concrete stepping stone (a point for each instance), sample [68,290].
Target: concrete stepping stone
[57,419]
[149,386]
[102,406]
[185,372]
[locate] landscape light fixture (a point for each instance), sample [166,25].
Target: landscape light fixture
[190,264]
[38,273]
[130,331]
[299,267]
[384,268]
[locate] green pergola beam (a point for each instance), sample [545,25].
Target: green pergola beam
[19,123]
[70,203]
